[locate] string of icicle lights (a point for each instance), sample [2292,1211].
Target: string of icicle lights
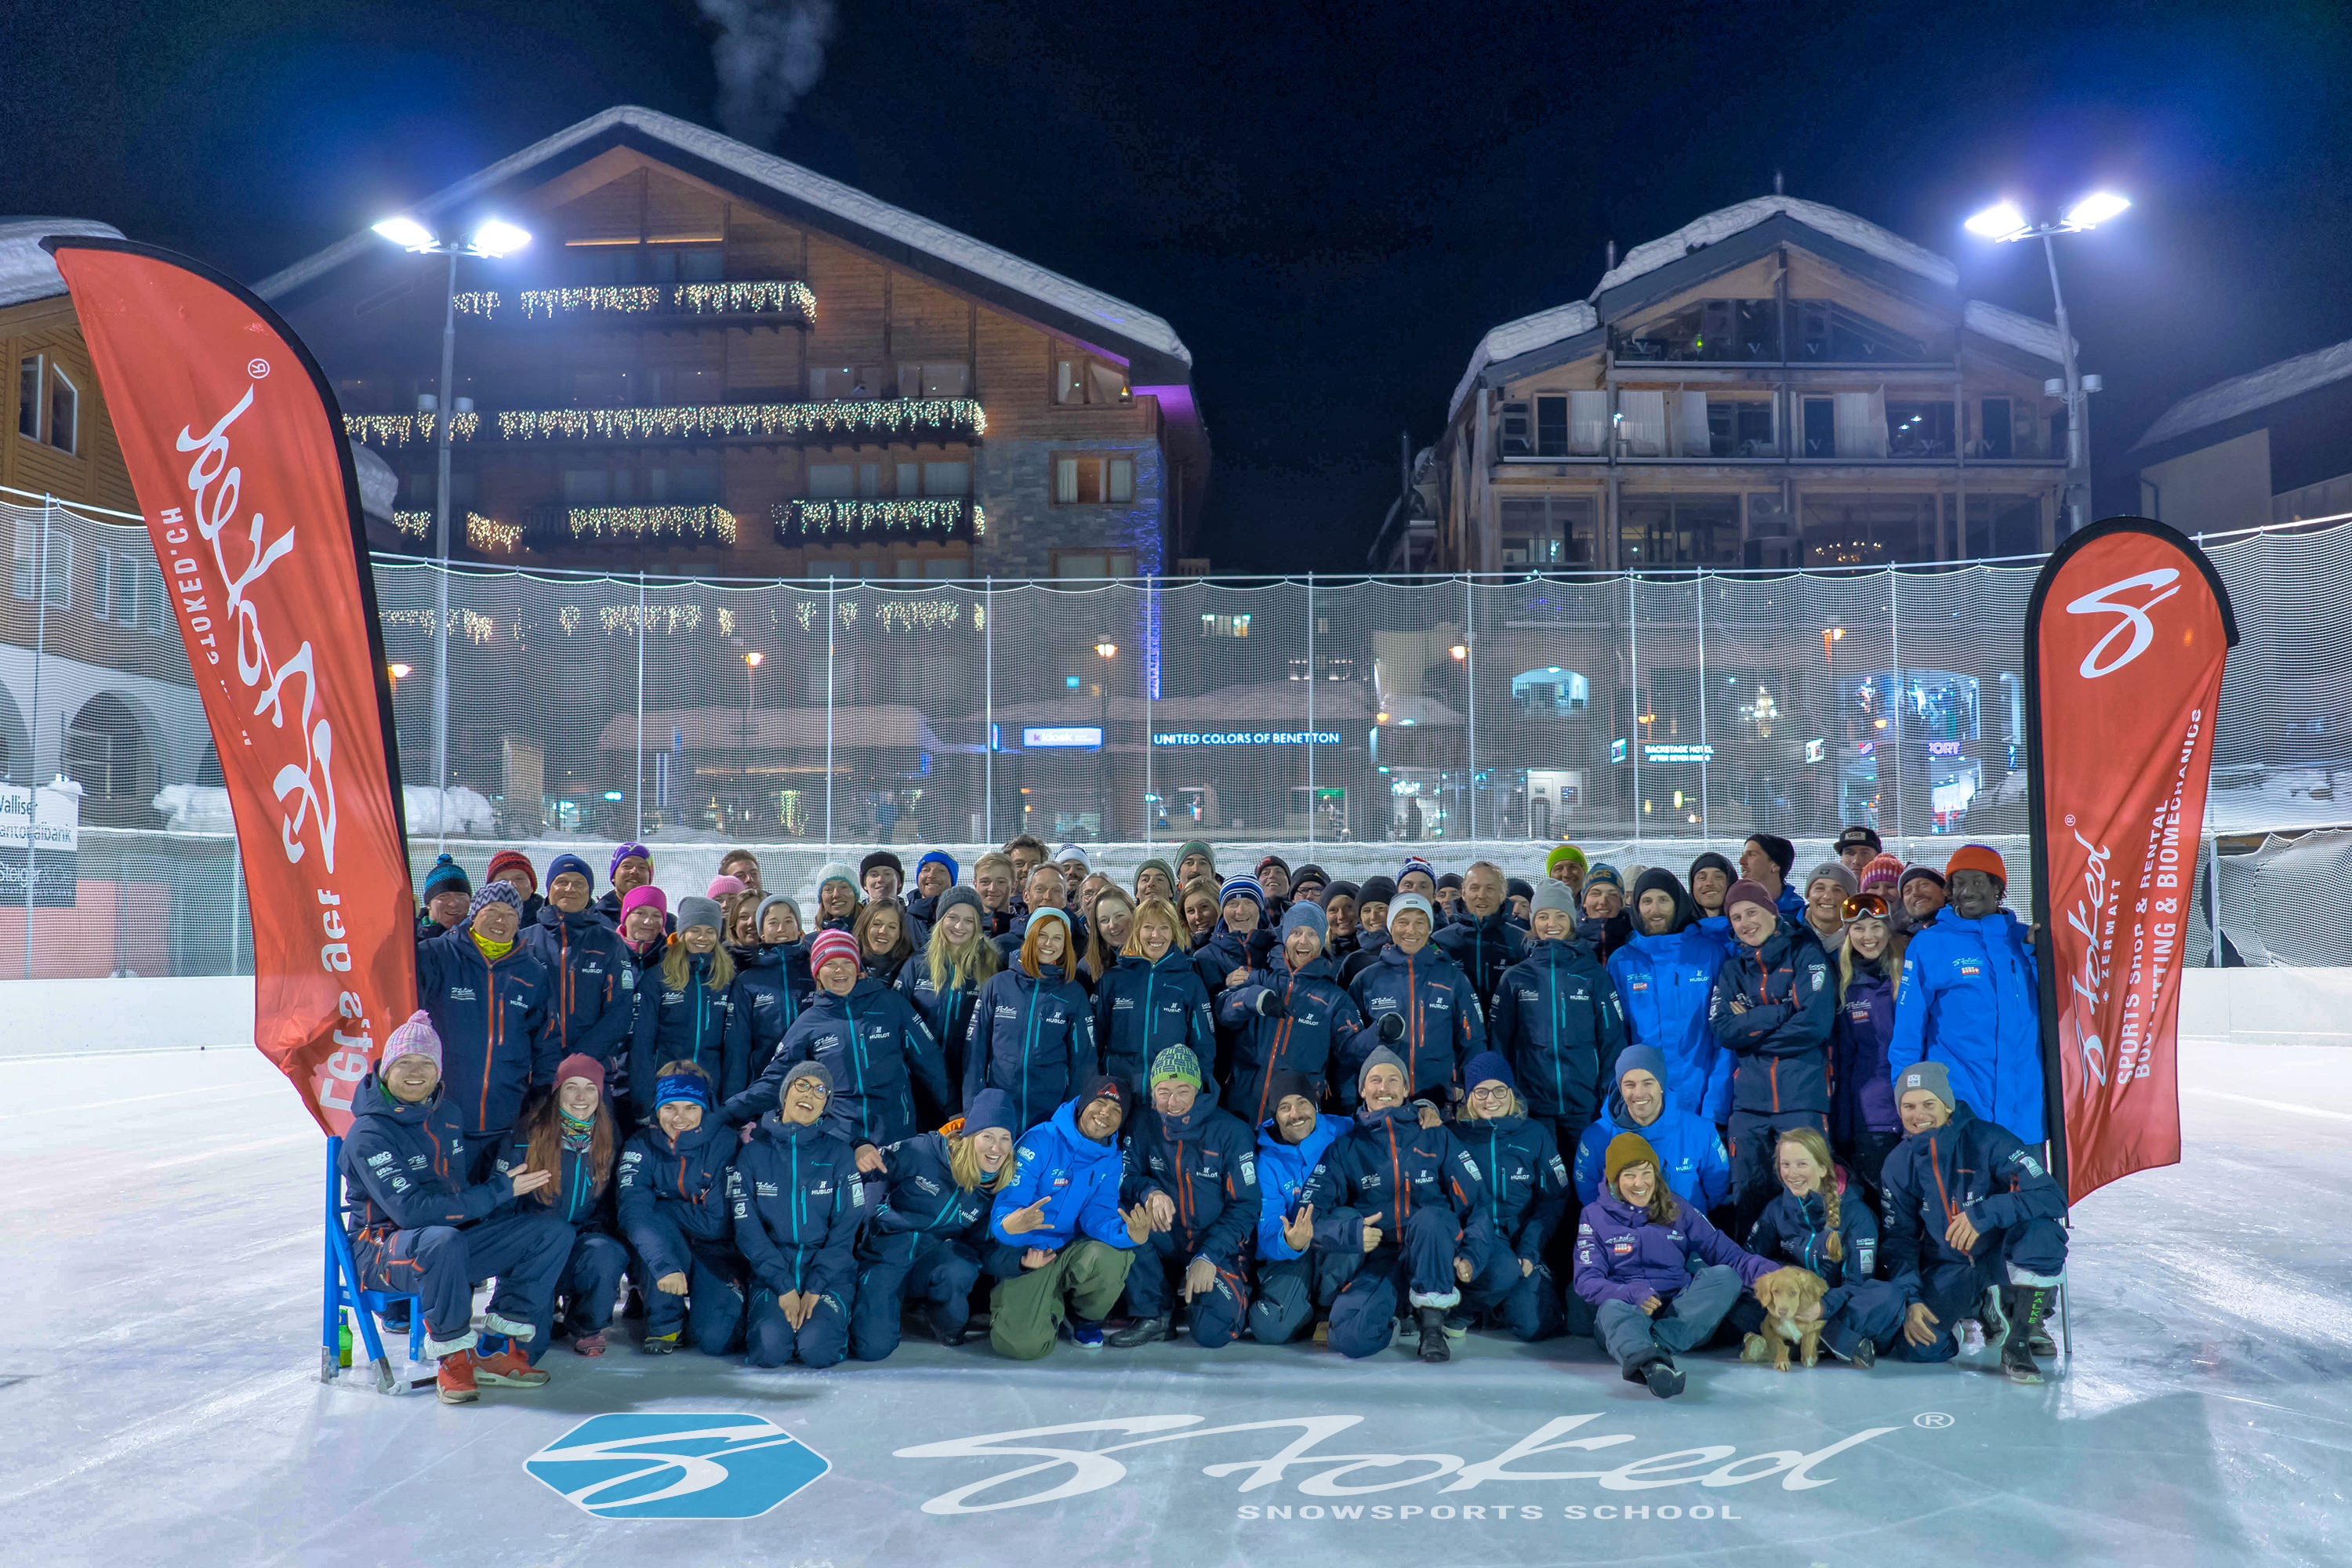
[653,521]
[948,418]
[931,513]
[770,297]
[482,532]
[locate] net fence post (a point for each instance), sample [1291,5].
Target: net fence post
[1895,658]
[829,582]
[40,648]
[988,709]
[639,793]
[1310,708]
[1698,599]
[1152,695]
[1633,679]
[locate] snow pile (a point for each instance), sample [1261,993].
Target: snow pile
[196,808]
[1525,335]
[803,185]
[1860,233]
[2037,338]
[2257,389]
[28,272]
[204,808]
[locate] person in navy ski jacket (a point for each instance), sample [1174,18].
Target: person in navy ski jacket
[884,1073]
[672,1193]
[1664,974]
[1194,1168]
[1484,941]
[1062,1213]
[1659,1279]
[1810,1224]
[1033,1032]
[1974,1227]
[1416,983]
[420,1226]
[1292,1016]
[927,1239]
[1240,940]
[797,1202]
[1863,1126]
[1689,1150]
[1295,1279]
[571,1132]
[1970,998]
[772,984]
[1774,1008]
[594,1005]
[1152,998]
[943,981]
[1557,1021]
[1527,1192]
[690,1012]
[493,1010]
[1405,1201]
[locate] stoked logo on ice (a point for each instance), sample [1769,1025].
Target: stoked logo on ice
[649,1465]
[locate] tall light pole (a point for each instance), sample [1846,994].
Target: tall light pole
[751,676]
[2003,222]
[493,238]
[1106,651]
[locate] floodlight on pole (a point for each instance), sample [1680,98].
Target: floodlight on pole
[498,238]
[406,232]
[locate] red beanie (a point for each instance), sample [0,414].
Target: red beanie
[1745,891]
[581,1065]
[1978,858]
[830,945]
[512,860]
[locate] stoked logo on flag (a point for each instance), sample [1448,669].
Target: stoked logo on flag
[649,1465]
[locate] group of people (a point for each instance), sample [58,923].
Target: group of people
[1275,1104]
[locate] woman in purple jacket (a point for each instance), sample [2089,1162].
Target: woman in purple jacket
[1863,1122]
[1658,1276]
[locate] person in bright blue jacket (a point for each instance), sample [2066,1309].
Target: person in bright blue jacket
[1971,998]
[672,1193]
[595,981]
[1404,1201]
[1295,1279]
[1484,941]
[1689,1150]
[883,1074]
[928,1241]
[1975,1227]
[1427,993]
[493,1008]
[1810,1224]
[798,1202]
[1557,1021]
[1293,1016]
[1527,1197]
[1659,1279]
[1032,1030]
[1194,1168]
[1775,1007]
[692,1012]
[1062,1213]
[1665,975]
[1152,998]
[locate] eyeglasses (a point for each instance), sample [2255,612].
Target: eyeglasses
[1864,905]
[1500,1094]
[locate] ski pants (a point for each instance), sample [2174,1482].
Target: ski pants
[1635,1338]
[1527,1305]
[710,1313]
[1417,1267]
[590,1279]
[439,1264]
[911,1266]
[2036,1248]
[1081,1282]
[1158,1275]
[1291,1289]
[770,1339]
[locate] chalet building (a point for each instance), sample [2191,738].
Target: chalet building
[711,361]
[1779,384]
[2268,446]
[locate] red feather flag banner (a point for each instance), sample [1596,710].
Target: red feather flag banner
[2125,639]
[236,452]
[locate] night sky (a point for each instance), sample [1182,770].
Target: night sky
[1332,202]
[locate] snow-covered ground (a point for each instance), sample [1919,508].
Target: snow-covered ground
[160,1216]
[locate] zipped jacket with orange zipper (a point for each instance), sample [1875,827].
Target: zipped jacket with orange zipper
[1780,1044]
[1969,1166]
[497,1024]
[595,977]
[403,1166]
[1205,1162]
[1444,1026]
[1389,1164]
[1317,1025]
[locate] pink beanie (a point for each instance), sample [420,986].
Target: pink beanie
[414,1037]
[723,888]
[830,945]
[636,897]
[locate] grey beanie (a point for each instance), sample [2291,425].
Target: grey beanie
[1837,871]
[800,1070]
[951,898]
[1931,1076]
[1307,915]
[693,911]
[1553,895]
[1404,901]
[1382,1057]
[760,915]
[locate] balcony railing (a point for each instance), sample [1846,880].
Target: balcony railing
[778,303]
[909,518]
[890,418]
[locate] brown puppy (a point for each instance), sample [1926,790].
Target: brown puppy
[1784,1293]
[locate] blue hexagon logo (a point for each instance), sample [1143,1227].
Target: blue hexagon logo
[662,1465]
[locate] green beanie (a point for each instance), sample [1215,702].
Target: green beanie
[1176,1062]
[1566,854]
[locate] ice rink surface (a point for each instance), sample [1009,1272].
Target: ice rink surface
[159,1402]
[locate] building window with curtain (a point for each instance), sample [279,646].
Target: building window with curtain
[1092,479]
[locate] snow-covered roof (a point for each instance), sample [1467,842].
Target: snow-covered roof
[1523,336]
[2038,338]
[28,272]
[379,486]
[856,206]
[1741,217]
[2257,389]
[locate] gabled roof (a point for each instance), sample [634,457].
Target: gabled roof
[28,272]
[2242,395]
[1523,336]
[795,185]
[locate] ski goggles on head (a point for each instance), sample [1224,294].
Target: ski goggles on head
[1863,907]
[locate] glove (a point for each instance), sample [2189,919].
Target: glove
[1270,1005]
[1391,1027]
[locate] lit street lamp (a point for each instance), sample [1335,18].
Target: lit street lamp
[492,238]
[1106,651]
[750,675]
[2003,222]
